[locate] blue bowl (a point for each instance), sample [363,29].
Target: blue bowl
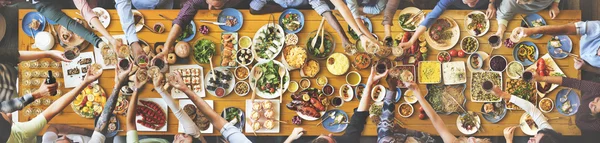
[490,117]
[357,95]
[300,19]
[530,18]
[337,127]
[28,18]
[231,12]
[573,97]
[567,46]
[526,63]
[190,37]
[398,95]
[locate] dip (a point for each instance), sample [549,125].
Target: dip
[353,78]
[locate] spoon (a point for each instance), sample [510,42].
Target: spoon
[321,47]
[282,71]
[257,74]
[564,98]
[148,27]
[214,75]
[561,51]
[332,123]
[331,115]
[314,41]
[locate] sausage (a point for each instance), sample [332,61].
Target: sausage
[309,111]
[317,104]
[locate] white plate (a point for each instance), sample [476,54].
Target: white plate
[209,75]
[76,79]
[140,25]
[518,76]
[277,92]
[104,18]
[551,64]
[279,43]
[451,71]
[381,94]
[469,20]
[100,57]
[525,128]
[184,102]
[463,130]
[276,109]
[412,10]
[201,93]
[165,109]
[448,43]
[350,92]
[412,99]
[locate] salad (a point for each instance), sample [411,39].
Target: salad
[203,50]
[478,23]
[270,79]
[403,21]
[187,32]
[353,34]
[328,44]
[268,41]
[291,22]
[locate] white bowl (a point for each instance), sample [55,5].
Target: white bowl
[241,82]
[490,62]
[381,94]
[350,92]
[249,45]
[551,107]
[411,112]
[44,41]
[236,76]
[353,72]
[518,75]
[463,48]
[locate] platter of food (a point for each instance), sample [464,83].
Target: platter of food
[242,72]
[113,126]
[361,60]
[244,57]
[294,57]
[338,64]
[533,20]
[444,98]
[468,123]
[229,48]
[33,23]
[526,53]
[478,94]
[242,88]
[358,89]
[310,69]
[269,84]
[192,77]
[469,44]
[268,42]
[232,18]
[151,115]
[77,69]
[106,56]
[522,89]
[493,111]
[405,73]
[103,16]
[220,83]
[476,23]
[545,66]
[204,49]
[263,115]
[90,102]
[443,34]
[336,121]
[122,105]
[562,42]
[430,72]
[201,120]
[235,116]
[514,70]
[138,20]
[366,21]
[292,20]
[307,104]
[454,73]
[188,33]
[316,52]
[405,21]
[567,102]
[528,125]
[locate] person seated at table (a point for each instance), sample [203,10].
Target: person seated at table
[438,11]
[372,7]
[128,25]
[152,4]
[366,37]
[488,5]
[51,9]
[109,106]
[357,121]
[589,42]
[59,133]
[231,133]
[26,132]
[509,8]
[437,121]
[546,133]
[262,7]
[186,15]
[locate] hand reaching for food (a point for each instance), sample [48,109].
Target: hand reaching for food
[499,93]
[176,81]
[57,56]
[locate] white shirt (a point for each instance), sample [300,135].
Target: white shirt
[50,137]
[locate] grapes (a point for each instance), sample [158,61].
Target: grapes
[204,29]
[296,120]
[509,43]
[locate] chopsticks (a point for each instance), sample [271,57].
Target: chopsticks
[165,17]
[523,19]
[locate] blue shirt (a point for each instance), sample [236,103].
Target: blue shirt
[127,22]
[590,41]
[436,12]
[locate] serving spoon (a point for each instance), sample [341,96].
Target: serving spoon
[282,71]
[212,69]
[257,74]
[314,41]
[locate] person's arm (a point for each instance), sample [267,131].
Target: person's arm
[52,11]
[504,13]
[343,9]
[127,21]
[375,9]
[185,16]
[62,129]
[388,16]
[18,103]
[321,7]
[189,127]
[436,121]
[90,16]
[431,17]
[583,85]
[34,55]
[261,7]
[527,106]
[566,29]
[131,112]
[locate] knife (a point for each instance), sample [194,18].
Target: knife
[212,22]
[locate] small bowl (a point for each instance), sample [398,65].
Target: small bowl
[359,78]
[304,80]
[463,48]
[337,106]
[241,94]
[162,28]
[350,92]
[520,72]
[410,99]
[220,88]
[412,110]
[328,86]
[444,52]
[293,83]
[398,95]
[357,94]
[240,52]
[321,78]
[497,56]
[551,106]
[249,44]
[381,94]
[244,68]
[479,58]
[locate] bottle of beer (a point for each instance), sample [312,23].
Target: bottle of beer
[51,80]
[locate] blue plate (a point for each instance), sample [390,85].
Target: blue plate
[190,37]
[336,128]
[300,19]
[113,133]
[530,18]
[573,97]
[239,124]
[398,95]
[526,63]
[368,21]
[231,12]
[28,18]
[497,116]
[567,46]
[356,94]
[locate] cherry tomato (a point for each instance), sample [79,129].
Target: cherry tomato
[461,53]
[453,53]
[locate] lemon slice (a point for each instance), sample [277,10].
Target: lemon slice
[408,93]
[87,91]
[422,37]
[423,49]
[77,102]
[85,109]
[89,104]
[423,44]
[90,97]
[305,97]
[79,97]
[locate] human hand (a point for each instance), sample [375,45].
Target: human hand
[509,133]
[159,81]
[136,47]
[44,90]
[499,93]
[554,10]
[296,133]
[412,86]
[392,82]
[122,74]
[175,80]
[367,42]
[139,84]
[520,32]
[491,11]
[578,63]
[405,45]
[91,76]
[57,56]
[374,76]
[536,77]
[161,56]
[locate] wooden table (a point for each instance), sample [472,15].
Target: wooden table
[253,22]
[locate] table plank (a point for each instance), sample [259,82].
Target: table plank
[252,23]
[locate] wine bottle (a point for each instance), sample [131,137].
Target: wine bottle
[51,80]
